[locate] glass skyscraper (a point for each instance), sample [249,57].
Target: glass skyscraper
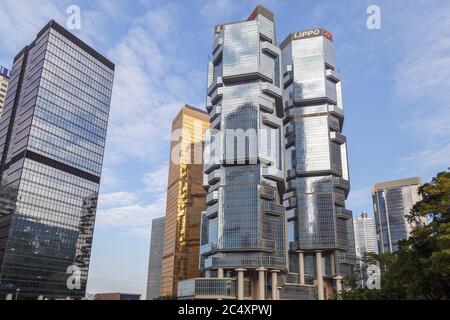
[276,172]
[319,227]
[391,202]
[243,228]
[155,259]
[52,139]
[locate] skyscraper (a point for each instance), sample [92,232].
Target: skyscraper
[52,139]
[392,200]
[365,242]
[320,228]
[276,115]
[155,259]
[185,200]
[365,237]
[5,74]
[243,228]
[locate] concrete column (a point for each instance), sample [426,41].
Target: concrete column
[261,283]
[319,275]
[9,296]
[301,266]
[41,297]
[240,283]
[275,284]
[338,284]
[333,263]
[220,273]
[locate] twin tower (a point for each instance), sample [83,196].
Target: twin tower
[275,168]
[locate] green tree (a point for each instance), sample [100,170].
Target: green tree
[421,267]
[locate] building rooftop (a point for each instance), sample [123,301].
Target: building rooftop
[397,183]
[71,37]
[259,10]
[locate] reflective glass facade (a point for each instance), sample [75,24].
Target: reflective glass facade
[185,200]
[244,225]
[52,138]
[391,202]
[155,259]
[316,156]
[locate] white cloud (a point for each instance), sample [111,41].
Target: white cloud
[109,180]
[114,199]
[422,87]
[151,85]
[135,219]
[22,19]
[156,181]
[428,161]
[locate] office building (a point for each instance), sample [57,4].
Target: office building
[52,139]
[365,242]
[155,259]
[117,296]
[319,227]
[185,200]
[392,201]
[5,74]
[243,252]
[365,236]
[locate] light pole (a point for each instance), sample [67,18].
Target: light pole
[17,293]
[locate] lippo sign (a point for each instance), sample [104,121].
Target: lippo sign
[312,33]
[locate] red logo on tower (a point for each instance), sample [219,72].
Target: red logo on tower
[328,35]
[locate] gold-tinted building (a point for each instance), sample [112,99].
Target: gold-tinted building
[185,200]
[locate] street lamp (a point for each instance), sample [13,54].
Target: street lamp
[17,293]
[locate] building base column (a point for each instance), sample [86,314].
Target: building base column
[321,295]
[220,273]
[301,266]
[275,284]
[261,283]
[240,283]
[338,286]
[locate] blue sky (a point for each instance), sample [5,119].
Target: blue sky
[396,85]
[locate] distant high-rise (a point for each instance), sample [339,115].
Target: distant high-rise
[320,228]
[52,139]
[155,259]
[365,237]
[5,74]
[185,200]
[391,202]
[365,242]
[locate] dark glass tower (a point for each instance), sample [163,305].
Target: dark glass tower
[52,139]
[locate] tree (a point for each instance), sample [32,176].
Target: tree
[421,267]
